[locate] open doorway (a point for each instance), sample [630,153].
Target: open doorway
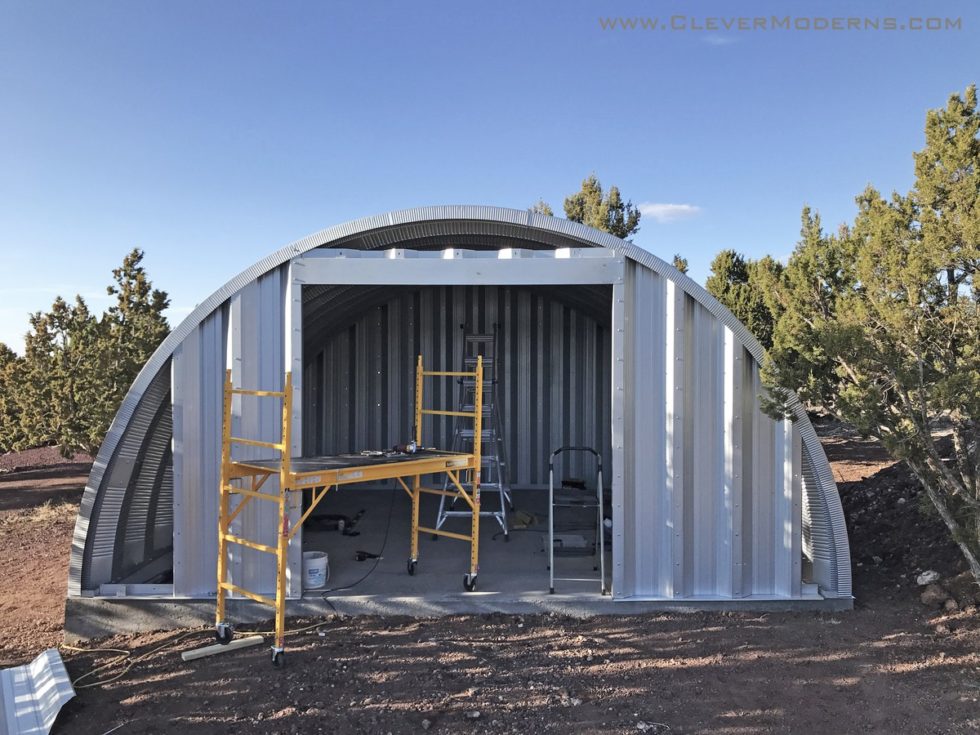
[552,352]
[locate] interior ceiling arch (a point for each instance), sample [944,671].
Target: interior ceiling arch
[329,309]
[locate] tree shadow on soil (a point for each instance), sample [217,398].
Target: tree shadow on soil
[879,671]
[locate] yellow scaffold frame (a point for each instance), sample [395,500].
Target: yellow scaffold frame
[462,468]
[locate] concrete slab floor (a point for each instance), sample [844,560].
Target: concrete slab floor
[511,569]
[513,576]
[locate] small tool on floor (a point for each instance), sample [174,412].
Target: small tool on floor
[365,555]
[349,529]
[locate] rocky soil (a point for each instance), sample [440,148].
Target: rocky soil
[896,663]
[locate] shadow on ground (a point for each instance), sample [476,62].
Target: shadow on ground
[872,670]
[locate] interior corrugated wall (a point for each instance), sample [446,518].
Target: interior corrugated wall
[553,375]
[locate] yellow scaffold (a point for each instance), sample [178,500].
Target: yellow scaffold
[244,479]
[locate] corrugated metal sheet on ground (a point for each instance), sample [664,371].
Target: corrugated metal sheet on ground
[33,694]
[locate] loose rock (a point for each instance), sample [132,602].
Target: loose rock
[927,578]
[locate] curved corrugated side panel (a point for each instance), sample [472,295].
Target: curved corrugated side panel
[137,550]
[118,472]
[519,224]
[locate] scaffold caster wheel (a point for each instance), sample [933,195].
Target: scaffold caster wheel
[223,634]
[278,659]
[469,582]
[411,567]
[506,537]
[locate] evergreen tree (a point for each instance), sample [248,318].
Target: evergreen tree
[77,368]
[58,372]
[542,207]
[132,329]
[765,276]
[728,269]
[606,212]
[679,263]
[11,432]
[882,321]
[741,285]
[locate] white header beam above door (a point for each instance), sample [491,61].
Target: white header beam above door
[455,267]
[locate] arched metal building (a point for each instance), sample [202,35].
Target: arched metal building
[602,344]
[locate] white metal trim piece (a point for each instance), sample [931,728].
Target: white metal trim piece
[293,359]
[33,694]
[618,377]
[675,379]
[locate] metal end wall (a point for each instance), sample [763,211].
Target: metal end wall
[553,371]
[715,500]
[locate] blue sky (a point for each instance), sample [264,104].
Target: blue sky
[210,134]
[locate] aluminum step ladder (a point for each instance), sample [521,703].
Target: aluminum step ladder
[494,462]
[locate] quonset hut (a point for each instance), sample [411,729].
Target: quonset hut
[600,343]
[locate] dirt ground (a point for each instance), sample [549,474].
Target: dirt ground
[39,495]
[891,665]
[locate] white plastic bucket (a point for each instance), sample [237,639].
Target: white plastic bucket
[316,571]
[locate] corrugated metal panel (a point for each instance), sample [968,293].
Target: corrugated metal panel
[106,559]
[256,358]
[198,379]
[647,517]
[709,487]
[828,534]
[553,375]
[113,468]
[32,695]
[145,534]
